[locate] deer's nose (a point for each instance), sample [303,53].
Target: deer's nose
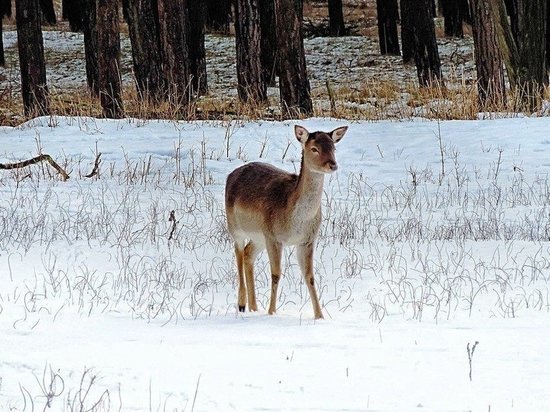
[331,164]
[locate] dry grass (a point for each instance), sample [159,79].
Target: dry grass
[370,100]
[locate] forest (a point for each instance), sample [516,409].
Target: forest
[170,59]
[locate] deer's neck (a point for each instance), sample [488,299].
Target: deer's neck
[309,192]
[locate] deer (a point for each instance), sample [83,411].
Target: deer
[268,208]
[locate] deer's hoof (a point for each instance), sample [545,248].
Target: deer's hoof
[241,308]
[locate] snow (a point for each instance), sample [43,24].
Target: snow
[413,265]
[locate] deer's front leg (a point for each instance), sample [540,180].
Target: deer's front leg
[239,255]
[274,251]
[305,260]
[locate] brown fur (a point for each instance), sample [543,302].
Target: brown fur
[268,208]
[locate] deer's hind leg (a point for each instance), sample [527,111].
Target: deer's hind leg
[239,255]
[275,251]
[251,252]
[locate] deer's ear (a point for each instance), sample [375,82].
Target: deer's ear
[301,134]
[337,134]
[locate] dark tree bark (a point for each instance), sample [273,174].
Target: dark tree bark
[426,54]
[488,57]
[195,44]
[108,41]
[407,30]
[251,86]
[89,28]
[175,56]
[143,28]
[218,15]
[268,41]
[548,34]
[512,10]
[48,11]
[454,13]
[73,12]
[532,75]
[294,86]
[31,58]
[2,54]
[5,11]
[336,18]
[524,53]
[388,16]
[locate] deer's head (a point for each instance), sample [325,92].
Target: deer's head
[318,148]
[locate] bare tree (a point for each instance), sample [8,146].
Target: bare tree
[108,41]
[195,43]
[336,18]
[31,58]
[388,16]
[488,56]
[143,27]
[418,26]
[532,73]
[89,28]
[5,11]
[175,56]
[407,30]
[72,11]
[525,52]
[512,11]
[455,12]
[251,85]
[48,11]
[218,15]
[294,86]
[268,41]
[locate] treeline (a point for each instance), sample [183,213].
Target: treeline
[511,37]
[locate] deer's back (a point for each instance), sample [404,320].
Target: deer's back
[259,186]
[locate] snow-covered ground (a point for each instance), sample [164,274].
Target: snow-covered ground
[435,236]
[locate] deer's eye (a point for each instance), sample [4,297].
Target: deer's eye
[315,150]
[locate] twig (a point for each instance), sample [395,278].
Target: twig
[196,392]
[172,219]
[441,152]
[35,160]
[331,98]
[95,170]
[471,355]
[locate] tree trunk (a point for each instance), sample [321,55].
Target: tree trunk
[48,11]
[426,54]
[452,14]
[143,27]
[336,18]
[407,30]
[387,26]
[532,75]
[548,34]
[512,10]
[268,41]
[108,41]
[89,27]
[489,63]
[175,57]
[73,12]
[195,45]
[293,81]
[31,58]
[251,85]
[218,15]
